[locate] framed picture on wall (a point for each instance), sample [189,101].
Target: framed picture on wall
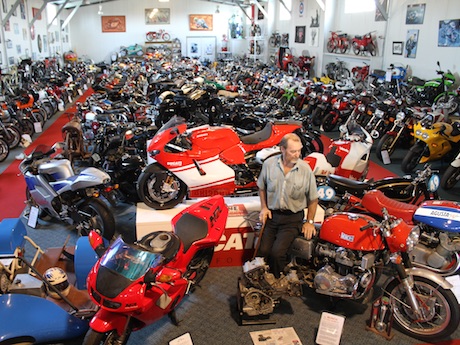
[415,14]
[113,23]
[157,15]
[449,33]
[410,50]
[200,22]
[299,34]
[397,48]
[36,13]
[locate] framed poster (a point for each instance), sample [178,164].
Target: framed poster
[36,13]
[397,48]
[415,14]
[200,22]
[113,23]
[202,48]
[410,50]
[449,33]
[299,34]
[157,16]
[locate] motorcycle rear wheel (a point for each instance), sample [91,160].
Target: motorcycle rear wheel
[96,338]
[330,46]
[152,192]
[12,137]
[96,215]
[450,177]
[441,320]
[328,123]
[356,49]
[412,159]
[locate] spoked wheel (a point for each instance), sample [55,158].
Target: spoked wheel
[440,314]
[4,150]
[386,143]
[12,136]
[413,157]
[356,49]
[198,266]
[330,46]
[450,177]
[111,338]
[160,189]
[96,215]
[372,49]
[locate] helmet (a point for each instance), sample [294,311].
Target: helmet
[58,278]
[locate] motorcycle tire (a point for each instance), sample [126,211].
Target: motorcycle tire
[96,338]
[356,49]
[449,103]
[330,46]
[412,159]
[97,216]
[4,150]
[317,116]
[328,124]
[12,137]
[151,192]
[444,320]
[344,48]
[198,266]
[372,49]
[450,177]
[310,143]
[386,143]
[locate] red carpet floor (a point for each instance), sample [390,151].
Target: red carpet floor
[12,184]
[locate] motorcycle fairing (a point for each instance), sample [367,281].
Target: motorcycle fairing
[440,214]
[38,318]
[344,230]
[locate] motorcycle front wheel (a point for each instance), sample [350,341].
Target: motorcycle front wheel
[441,314]
[355,48]
[96,215]
[110,338]
[386,143]
[4,150]
[160,190]
[413,157]
[450,177]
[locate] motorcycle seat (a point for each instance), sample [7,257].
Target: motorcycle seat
[189,229]
[351,186]
[259,136]
[374,201]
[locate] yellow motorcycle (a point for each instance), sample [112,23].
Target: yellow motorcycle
[432,141]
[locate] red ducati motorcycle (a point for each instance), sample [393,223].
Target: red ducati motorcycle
[135,285]
[205,161]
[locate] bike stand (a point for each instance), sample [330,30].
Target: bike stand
[256,320]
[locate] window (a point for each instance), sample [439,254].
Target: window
[51,11]
[356,6]
[284,14]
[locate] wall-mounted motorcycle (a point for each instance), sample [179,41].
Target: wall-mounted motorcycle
[364,43]
[346,262]
[137,284]
[60,193]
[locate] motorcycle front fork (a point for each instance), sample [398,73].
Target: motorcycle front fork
[408,285]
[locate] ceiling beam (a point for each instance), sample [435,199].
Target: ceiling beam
[57,13]
[70,16]
[40,10]
[287,9]
[10,12]
[261,9]
[382,10]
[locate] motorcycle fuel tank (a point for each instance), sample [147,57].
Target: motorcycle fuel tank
[440,214]
[344,230]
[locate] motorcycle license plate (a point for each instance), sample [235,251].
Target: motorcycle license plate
[326,193]
[433,183]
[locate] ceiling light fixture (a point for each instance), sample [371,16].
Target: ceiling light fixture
[163,0]
[100,11]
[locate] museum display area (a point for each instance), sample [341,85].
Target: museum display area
[142,144]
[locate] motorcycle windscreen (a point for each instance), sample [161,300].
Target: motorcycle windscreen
[440,214]
[121,265]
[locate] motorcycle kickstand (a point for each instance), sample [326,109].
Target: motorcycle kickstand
[173,317]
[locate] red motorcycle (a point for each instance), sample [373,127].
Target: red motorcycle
[338,42]
[365,43]
[205,161]
[135,285]
[303,64]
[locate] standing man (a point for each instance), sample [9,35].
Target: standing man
[286,187]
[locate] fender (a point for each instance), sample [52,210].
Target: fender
[450,93]
[154,167]
[105,321]
[424,273]
[456,162]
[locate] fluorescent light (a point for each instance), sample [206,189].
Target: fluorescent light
[163,0]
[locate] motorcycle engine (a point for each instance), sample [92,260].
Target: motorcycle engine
[259,290]
[348,275]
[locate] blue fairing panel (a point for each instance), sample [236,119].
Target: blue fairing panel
[26,315]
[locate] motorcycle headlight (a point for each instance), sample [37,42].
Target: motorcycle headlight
[418,132]
[379,113]
[361,108]
[336,105]
[400,116]
[413,238]
[324,98]
[425,136]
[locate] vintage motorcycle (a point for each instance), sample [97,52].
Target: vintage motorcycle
[338,43]
[452,174]
[365,43]
[347,157]
[137,284]
[57,191]
[438,221]
[346,261]
[205,161]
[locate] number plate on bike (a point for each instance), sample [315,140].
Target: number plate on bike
[326,193]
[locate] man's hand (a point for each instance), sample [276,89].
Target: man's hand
[308,230]
[264,214]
